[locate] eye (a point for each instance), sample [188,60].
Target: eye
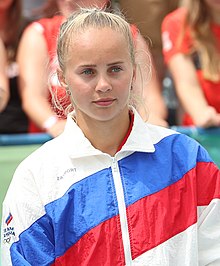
[88,71]
[115,69]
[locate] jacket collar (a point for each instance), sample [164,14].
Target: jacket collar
[77,145]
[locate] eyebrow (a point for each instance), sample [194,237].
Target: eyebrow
[110,64]
[115,63]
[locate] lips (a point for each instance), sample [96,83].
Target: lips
[104,101]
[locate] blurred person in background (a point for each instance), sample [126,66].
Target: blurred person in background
[148,16]
[12,118]
[4,84]
[37,51]
[191,48]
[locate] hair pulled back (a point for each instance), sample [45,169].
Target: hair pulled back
[84,18]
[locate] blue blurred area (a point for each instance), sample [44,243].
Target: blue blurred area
[23,139]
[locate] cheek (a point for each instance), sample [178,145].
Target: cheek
[81,94]
[123,87]
[128,81]
[75,83]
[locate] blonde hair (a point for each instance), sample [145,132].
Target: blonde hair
[80,20]
[199,19]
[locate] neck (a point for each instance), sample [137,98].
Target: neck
[108,135]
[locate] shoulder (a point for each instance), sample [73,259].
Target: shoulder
[34,30]
[174,21]
[41,166]
[179,146]
[42,156]
[54,21]
[41,34]
[176,16]
[158,133]
[176,35]
[161,134]
[45,24]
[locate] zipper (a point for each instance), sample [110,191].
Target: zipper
[122,211]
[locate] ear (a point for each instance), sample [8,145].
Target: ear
[61,78]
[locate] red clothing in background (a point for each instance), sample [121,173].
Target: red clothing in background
[174,43]
[49,28]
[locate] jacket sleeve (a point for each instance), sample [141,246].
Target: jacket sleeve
[208,196]
[26,229]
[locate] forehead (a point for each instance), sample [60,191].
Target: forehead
[96,35]
[97,38]
[98,43]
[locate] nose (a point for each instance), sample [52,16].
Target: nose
[103,83]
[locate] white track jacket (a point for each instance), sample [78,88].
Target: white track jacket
[156,202]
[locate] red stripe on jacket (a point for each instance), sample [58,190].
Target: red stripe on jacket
[168,213]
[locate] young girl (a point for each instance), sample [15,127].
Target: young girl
[111,189]
[191,47]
